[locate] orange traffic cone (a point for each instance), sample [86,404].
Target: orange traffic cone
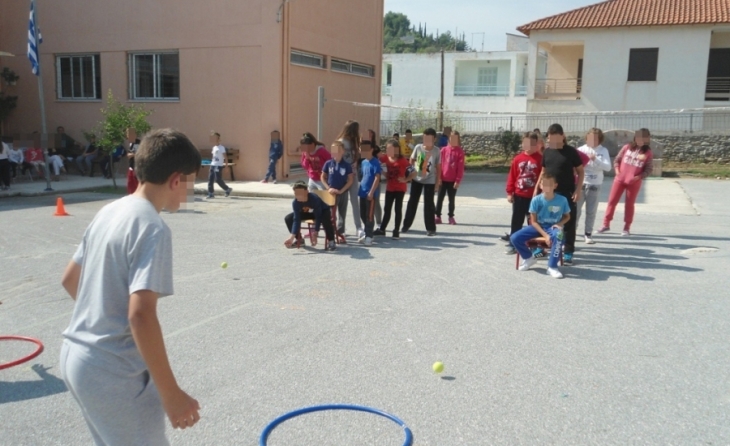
[60,209]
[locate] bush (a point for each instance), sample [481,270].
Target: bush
[510,142]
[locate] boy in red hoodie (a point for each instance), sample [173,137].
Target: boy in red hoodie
[522,180]
[452,172]
[633,165]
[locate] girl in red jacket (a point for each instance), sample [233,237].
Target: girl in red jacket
[452,172]
[633,164]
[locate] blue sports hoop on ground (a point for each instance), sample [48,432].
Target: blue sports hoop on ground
[305,410]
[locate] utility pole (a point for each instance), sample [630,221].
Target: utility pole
[441,103]
[472,40]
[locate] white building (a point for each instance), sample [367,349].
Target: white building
[478,81]
[623,55]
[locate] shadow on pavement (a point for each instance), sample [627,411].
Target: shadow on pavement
[48,385]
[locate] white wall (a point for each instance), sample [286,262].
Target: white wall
[417,78]
[681,73]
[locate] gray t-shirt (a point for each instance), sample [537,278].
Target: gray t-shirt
[420,154]
[126,248]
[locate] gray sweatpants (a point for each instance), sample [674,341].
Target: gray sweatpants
[355,204]
[119,409]
[590,197]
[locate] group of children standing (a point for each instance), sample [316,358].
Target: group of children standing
[569,179]
[353,169]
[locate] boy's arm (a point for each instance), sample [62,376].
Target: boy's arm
[376,185]
[323,178]
[537,185]
[511,177]
[579,186]
[460,169]
[70,279]
[350,177]
[181,408]
[535,224]
[564,220]
[603,159]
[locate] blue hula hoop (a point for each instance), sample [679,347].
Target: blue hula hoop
[305,410]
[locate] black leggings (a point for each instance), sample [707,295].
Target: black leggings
[391,197]
[5,172]
[520,211]
[428,206]
[447,187]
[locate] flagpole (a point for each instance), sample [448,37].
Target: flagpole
[44,129]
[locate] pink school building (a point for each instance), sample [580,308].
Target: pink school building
[241,68]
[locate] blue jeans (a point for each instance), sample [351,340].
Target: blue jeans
[520,238]
[271,173]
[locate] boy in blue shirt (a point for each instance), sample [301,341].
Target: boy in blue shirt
[548,214]
[308,206]
[276,151]
[337,177]
[369,189]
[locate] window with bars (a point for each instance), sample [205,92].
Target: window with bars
[78,77]
[307,59]
[352,68]
[154,76]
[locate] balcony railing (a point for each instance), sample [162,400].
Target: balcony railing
[387,90]
[521,90]
[558,88]
[718,89]
[481,90]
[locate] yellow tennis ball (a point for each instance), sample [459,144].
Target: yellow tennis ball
[224,265]
[438,367]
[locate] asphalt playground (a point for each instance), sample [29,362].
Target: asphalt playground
[630,348]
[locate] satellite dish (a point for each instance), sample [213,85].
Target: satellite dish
[408,40]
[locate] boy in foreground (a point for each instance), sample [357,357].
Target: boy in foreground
[369,192]
[113,358]
[548,214]
[337,177]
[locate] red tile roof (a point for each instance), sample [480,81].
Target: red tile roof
[613,13]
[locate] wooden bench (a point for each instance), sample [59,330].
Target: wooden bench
[231,159]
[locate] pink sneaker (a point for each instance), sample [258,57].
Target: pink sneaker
[438,220]
[603,230]
[264,181]
[452,221]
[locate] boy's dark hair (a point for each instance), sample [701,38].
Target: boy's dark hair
[396,135]
[164,152]
[430,132]
[395,144]
[216,134]
[598,132]
[531,135]
[549,176]
[299,185]
[555,129]
[409,131]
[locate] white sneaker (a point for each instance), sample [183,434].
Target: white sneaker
[527,263]
[368,241]
[625,233]
[589,240]
[555,273]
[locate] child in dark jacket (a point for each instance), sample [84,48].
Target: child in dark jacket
[308,206]
[276,151]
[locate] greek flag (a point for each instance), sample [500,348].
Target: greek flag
[33,42]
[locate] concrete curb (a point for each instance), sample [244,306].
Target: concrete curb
[6,194]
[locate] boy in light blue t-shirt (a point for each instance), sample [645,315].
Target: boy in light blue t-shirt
[548,214]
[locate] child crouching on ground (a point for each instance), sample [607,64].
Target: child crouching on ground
[548,214]
[308,206]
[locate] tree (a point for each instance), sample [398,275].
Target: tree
[7,103]
[117,117]
[510,143]
[397,25]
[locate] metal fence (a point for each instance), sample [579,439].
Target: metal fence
[659,123]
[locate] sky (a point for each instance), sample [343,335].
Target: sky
[495,18]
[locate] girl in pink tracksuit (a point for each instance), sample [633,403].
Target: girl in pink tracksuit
[452,172]
[633,164]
